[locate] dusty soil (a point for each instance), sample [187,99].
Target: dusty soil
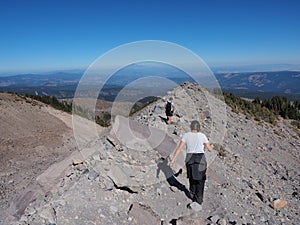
[29,144]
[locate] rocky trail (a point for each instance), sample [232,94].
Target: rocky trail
[123,177]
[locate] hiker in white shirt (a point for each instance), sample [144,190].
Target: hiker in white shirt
[195,142]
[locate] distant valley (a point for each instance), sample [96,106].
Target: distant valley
[244,84]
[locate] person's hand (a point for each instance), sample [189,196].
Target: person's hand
[171,162]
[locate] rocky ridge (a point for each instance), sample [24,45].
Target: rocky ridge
[253,178]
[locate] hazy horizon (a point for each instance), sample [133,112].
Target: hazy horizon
[215,68]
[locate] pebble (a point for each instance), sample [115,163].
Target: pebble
[10,182]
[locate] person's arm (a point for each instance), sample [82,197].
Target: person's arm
[208,146]
[178,150]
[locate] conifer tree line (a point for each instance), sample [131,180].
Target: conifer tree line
[267,110]
[281,106]
[103,120]
[53,101]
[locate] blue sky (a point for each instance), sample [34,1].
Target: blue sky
[49,35]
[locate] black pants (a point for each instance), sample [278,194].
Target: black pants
[197,190]
[196,172]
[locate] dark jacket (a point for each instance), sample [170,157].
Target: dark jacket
[196,166]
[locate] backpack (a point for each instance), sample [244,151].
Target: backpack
[168,107]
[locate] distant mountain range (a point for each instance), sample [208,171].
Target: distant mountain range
[245,84]
[281,82]
[255,68]
[37,80]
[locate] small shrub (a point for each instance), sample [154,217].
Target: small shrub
[220,149]
[296,124]
[279,133]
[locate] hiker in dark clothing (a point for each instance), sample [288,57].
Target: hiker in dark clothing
[169,110]
[195,142]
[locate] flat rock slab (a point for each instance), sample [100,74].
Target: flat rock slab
[141,137]
[141,214]
[121,180]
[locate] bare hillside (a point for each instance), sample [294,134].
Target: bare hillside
[33,137]
[253,174]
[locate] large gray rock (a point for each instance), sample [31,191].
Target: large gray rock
[140,137]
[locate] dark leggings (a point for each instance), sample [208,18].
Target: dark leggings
[197,190]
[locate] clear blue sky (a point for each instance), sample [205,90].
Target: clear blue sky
[48,35]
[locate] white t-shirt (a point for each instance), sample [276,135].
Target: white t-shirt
[194,142]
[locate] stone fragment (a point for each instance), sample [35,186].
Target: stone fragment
[93,175]
[30,211]
[215,218]
[23,218]
[222,222]
[102,156]
[173,189]
[48,214]
[195,206]
[77,162]
[278,203]
[80,167]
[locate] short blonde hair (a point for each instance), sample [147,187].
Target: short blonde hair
[195,125]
